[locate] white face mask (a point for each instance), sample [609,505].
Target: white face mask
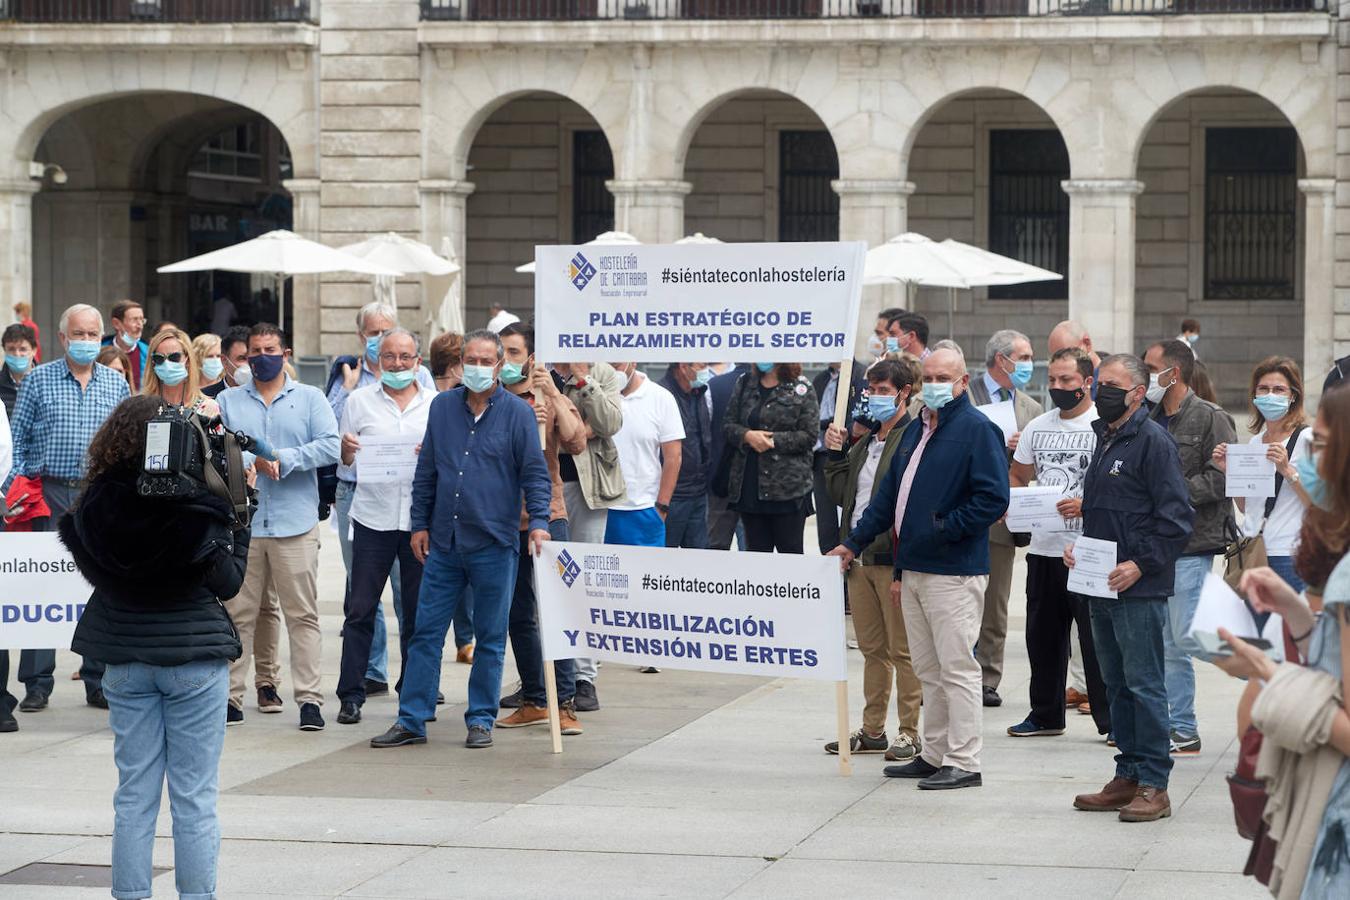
[623,379]
[1155,391]
[876,346]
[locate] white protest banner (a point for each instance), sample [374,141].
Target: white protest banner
[751,614]
[42,594]
[784,302]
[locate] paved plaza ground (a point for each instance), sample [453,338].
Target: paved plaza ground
[684,785]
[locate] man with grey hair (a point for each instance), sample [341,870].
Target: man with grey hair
[1134,496]
[350,374]
[62,404]
[1009,364]
[1074,334]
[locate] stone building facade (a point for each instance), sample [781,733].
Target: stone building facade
[1187,162]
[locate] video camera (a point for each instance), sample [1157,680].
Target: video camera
[187,454]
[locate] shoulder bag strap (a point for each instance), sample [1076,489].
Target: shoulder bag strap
[1279,479]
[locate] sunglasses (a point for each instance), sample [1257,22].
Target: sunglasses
[160,359]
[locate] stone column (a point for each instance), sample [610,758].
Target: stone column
[1321,325]
[305,289]
[873,211]
[444,215]
[650,210]
[1101,259]
[16,241]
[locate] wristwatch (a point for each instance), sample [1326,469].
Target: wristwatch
[663,508]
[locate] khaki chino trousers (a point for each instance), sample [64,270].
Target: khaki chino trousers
[879,626]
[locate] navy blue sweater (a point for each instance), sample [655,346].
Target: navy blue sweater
[1134,494]
[959,490]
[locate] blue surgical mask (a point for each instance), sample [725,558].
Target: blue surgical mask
[212,367]
[512,373]
[18,363]
[1272,407]
[937,394]
[892,345]
[881,408]
[398,380]
[703,376]
[83,352]
[478,378]
[765,368]
[1308,476]
[171,373]
[1021,373]
[373,347]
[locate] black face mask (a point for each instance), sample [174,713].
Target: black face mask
[1066,400]
[1111,402]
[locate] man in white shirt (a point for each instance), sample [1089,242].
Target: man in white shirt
[1055,450]
[650,446]
[395,409]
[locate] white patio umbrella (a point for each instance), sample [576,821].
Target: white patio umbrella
[279,254]
[609,237]
[403,254]
[448,314]
[698,237]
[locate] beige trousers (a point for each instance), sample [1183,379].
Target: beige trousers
[942,617]
[290,567]
[266,637]
[994,625]
[880,629]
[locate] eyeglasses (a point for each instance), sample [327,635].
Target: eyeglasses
[1278,390]
[388,359]
[160,359]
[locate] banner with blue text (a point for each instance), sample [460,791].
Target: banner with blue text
[781,302]
[747,613]
[42,594]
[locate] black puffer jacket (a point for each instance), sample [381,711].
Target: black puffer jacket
[160,569]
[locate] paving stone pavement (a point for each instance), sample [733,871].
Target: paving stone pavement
[684,785]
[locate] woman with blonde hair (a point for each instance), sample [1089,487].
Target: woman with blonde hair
[172,376]
[207,359]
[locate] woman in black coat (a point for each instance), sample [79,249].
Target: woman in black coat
[772,422]
[160,569]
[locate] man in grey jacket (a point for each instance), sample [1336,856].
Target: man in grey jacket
[1197,426]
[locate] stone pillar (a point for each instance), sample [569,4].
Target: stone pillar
[1321,325]
[873,211]
[1101,259]
[444,215]
[651,211]
[305,289]
[16,242]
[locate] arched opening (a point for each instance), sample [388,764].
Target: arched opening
[150,179]
[539,165]
[987,168]
[761,164]
[1220,233]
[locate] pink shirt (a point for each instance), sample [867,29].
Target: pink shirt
[907,481]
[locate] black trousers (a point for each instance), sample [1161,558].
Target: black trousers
[827,514]
[373,555]
[781,532]
[1051,609]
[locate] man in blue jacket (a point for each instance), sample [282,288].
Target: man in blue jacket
[1134,495]
[947,483]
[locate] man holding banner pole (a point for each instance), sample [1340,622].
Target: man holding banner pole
[947,483]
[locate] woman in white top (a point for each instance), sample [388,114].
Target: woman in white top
[1277,413]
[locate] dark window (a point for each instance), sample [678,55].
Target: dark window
[1251,206]
[1028,209]
[592,203]
[234,154]
[808,208]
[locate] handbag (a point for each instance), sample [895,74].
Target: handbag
[1244,553]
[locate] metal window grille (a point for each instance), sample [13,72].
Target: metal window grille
[592,203]
[1251,213]
[1028,209]
[808,207]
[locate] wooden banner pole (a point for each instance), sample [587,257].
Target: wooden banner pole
[841,401]
[550,680]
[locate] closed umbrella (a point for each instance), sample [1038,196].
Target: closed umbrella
[609,237]
[279,254]
[448,315]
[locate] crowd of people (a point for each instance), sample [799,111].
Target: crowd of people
[909,491]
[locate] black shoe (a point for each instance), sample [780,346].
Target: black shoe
[478,738]
[350,714]
[991,697]
[310,717]
[34,701]
[376,688]
[586,699]
[97,699]
[397,737]
[950,778]
[919,768]
[233,715]
[440,701]
[7,721]
[513,700]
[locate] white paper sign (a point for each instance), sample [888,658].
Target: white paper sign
[1004,415]
[1033,509]
[1093,561]
[387,458]
[751,614]
[1219,606]
[1249,472]
[694,302]
[42,594]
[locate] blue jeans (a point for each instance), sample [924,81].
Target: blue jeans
[687,523]
[378,668]
[1284,567]
[491,572]
[524,630]
[1178,648]
[166,721]
[1128,635]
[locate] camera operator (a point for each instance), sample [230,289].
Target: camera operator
[161,569]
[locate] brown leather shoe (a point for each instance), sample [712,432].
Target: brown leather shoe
[1149,805]
[526,715]
[464,654]
[567,718]
[1085,709]
[1073,698]
[1117,794]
